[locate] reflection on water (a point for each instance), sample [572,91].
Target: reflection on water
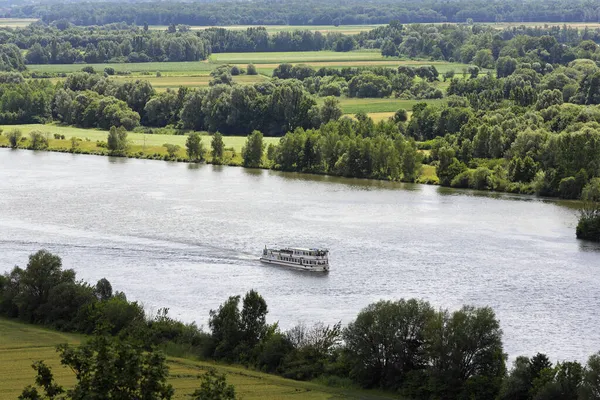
[187,236]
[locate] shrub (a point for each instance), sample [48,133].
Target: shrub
[172,149]
[251,70]
[38,140]
[14,137]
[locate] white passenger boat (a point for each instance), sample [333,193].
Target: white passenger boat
[295,257]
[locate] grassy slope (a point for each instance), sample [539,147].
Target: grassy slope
[21,345]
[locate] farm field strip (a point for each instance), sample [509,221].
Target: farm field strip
[354,105]
[271,29]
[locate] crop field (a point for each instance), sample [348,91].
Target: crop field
[173,82]
[138,139]
[21,345]
[16,22]
[200,70]
[354,105]
[271,29]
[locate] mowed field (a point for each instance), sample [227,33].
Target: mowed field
[21,345]
[271,29]
[264,62]
[136,139]
[16,22]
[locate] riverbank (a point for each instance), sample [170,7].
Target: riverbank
[150,146]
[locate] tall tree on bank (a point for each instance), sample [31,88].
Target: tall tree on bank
[252,152]
[195,147]
[217,148]
[116,142]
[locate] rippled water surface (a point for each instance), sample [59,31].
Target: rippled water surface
[187,236]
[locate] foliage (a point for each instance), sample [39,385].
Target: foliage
[14,137]
[116,142]
[105,368]
[588,226]
[172,149]
[195,147]
[252,152]
[217,148]
[214,387]
[236,334]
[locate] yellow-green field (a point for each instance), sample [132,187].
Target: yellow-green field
[16,22]
[271,29]
[137,139]
[351,105]
[21,345]
[264,62]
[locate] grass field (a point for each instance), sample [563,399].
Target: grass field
[21,345]
[136,139]
[271,29]
[377,106]
[264,62]
[16,22]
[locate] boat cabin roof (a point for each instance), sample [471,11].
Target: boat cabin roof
[301,249]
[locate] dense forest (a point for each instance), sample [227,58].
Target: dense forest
[294,12]
[406,346]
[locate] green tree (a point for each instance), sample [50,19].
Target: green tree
[466,354]
[117,143]
[105,368]
[588,226]
[37,140]
[386,342]
[195,147]
[74,143]
[43,273]
[251,70]
[214,387]
[172,149]
[330,110]
[14,137]
[225,327]
[252,152]
[217,148]
[590,388]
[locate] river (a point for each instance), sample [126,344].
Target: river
[187,236]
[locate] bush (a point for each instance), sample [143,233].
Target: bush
[14,137]
[158,74]
[109,71]
[172,149]
[38,140]
[235,70]
[588,227]
[251,70]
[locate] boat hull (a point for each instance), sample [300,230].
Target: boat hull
[317,268]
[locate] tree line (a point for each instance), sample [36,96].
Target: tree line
[294,12]
[406,346]
[64,43]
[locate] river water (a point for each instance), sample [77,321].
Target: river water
[187,236]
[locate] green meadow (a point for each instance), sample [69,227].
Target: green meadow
[271,29]
[148,141]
